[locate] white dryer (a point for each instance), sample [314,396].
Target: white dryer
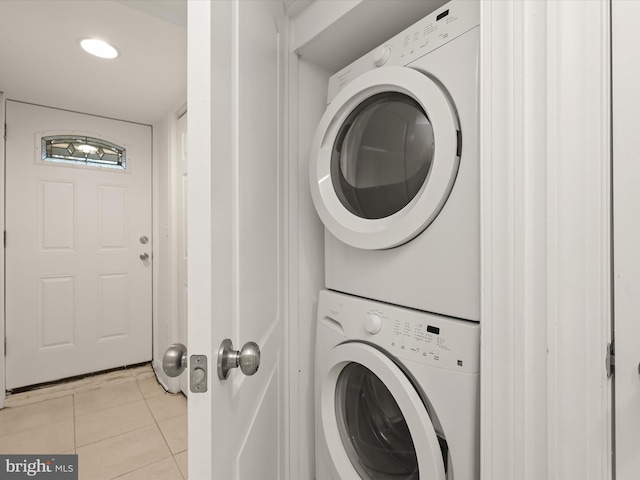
[397,393]
[394,168]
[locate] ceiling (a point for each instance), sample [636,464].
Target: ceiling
[41,60]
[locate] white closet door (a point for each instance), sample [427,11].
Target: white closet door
[237,236]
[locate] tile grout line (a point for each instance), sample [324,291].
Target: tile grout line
[145,466]
[134,430]
[75,418]
[142,399]
[33,429]
[159,430]
[157,424]
[130,431]
[116,434]
[75,435]
[63,389]
[173,456]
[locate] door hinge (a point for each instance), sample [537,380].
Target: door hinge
[610,361]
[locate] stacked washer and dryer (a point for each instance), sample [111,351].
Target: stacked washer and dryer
[395,178]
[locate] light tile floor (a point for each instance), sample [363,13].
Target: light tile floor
[122,426]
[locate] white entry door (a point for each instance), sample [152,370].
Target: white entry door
[626,218]
[77,231]
[236,108]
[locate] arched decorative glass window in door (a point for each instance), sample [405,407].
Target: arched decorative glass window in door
[78,149]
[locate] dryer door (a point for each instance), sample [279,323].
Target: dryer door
[384,158]
[375,424]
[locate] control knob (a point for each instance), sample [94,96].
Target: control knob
[381,55]
[372,324]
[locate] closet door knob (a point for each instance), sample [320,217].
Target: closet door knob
[174,360]
[248,359]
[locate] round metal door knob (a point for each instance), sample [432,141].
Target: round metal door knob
[144,256]
[248,359]
[174,360]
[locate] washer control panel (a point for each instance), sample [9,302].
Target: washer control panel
[406,333]
[443,25]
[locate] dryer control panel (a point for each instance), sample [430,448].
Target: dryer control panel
[406,333]
[443,25]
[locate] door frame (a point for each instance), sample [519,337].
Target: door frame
[2,275]
[625,233]
[3,279]
[546,407]
[165,160]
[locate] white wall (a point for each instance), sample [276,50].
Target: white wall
[165,221]
[307,277]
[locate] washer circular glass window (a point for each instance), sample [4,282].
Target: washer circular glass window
[382,155]
[372,427]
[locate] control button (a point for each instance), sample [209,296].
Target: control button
[381,55]
[372,324]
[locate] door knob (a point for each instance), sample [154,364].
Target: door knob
[174,360]
[144,256]
[248,359]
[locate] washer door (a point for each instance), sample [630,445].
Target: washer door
[384,158]
[375,424]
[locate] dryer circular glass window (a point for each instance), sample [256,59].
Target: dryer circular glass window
[384,158]
[382,155]
[372,427]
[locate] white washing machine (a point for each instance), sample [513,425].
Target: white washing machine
[397,393]
[394,168]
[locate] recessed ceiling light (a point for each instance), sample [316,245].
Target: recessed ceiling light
[99,48]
